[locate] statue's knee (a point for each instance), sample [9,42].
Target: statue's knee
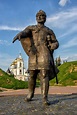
[43,73]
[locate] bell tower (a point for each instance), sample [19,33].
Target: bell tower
[20,65]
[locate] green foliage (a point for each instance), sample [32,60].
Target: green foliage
[9,82]
[67,75]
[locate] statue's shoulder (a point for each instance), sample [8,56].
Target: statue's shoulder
[31,27]
[50,31]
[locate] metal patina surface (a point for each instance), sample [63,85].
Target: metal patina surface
[39,43]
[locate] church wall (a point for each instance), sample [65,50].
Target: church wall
[20,67]
[17,68]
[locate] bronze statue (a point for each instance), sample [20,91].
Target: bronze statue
[39,42]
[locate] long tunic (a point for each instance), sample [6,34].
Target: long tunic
[39,54]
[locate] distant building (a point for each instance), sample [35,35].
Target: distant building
[18,70]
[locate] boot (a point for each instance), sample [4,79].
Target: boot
[44,90]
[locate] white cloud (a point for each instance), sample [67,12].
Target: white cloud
[5,61]
[63,19]
[63,2]
[11,28]
[69,31]
[71,43]
[70,58]
[5,42]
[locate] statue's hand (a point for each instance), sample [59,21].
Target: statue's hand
[53,46]
[17,37]
[22,34]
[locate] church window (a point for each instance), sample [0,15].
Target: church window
[20,64]
[20,71]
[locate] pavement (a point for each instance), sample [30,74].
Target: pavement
[52,90]
[63,101]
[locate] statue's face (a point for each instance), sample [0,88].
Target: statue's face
[41,18]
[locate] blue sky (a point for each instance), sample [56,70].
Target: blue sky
[15,15]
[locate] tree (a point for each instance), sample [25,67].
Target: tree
[58,61]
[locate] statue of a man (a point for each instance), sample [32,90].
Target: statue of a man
[40,50]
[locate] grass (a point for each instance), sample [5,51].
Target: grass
[67,74]
[9,82]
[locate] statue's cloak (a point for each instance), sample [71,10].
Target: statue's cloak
[26,44]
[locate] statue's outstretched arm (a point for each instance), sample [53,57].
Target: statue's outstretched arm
[17,37]
[23,34]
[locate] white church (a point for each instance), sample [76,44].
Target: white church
[18,70]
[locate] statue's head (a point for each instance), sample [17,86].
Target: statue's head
[41,16]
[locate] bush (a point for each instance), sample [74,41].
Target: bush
[9,82]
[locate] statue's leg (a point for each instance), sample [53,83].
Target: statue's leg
[44,80]
[31,85]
